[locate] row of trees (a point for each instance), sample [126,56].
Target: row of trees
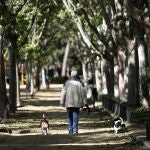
[29,31]
[117,34]
[110,39]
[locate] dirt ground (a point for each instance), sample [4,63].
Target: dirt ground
[95,129]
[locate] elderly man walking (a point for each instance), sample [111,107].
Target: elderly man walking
[73,97]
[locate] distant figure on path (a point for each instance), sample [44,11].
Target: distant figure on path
[90,95]
[73,97]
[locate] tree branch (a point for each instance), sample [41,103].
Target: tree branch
[79,24]
[94,29]
[28,31]
[20,7]
[107,20]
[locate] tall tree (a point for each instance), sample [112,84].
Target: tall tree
[3,96]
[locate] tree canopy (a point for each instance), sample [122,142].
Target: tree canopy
[109,40]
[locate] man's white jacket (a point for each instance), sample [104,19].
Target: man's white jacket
[73,94]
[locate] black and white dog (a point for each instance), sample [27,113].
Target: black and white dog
[118,124]
[44,125]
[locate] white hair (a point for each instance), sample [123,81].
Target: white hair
[73,73]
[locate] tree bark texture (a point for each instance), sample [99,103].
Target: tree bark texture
[3,96]
[13,77]
[64,65]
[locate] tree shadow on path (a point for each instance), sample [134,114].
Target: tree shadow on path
[94,129]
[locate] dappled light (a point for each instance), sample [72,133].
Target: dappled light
[95,129]
[102,46]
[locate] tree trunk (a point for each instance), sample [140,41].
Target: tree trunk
[84,70]
[144,92]
[121,72]
[133,79]
[18,100]
[13,77]
[103,76]
[37,81]
[148,55]
[27,66]
[43,79]
[98,79]
[64,65]
[109,73]
[3,96]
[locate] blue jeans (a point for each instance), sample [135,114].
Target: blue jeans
[73,119]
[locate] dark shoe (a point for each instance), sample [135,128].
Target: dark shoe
[70,133]
[75,132]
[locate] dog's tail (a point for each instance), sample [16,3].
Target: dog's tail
[44,116]
[121,120]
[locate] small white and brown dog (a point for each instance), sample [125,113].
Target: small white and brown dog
[118,125]
[44,125]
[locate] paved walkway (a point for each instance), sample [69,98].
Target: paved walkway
[95,130]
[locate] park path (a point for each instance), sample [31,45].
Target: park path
[95,130]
